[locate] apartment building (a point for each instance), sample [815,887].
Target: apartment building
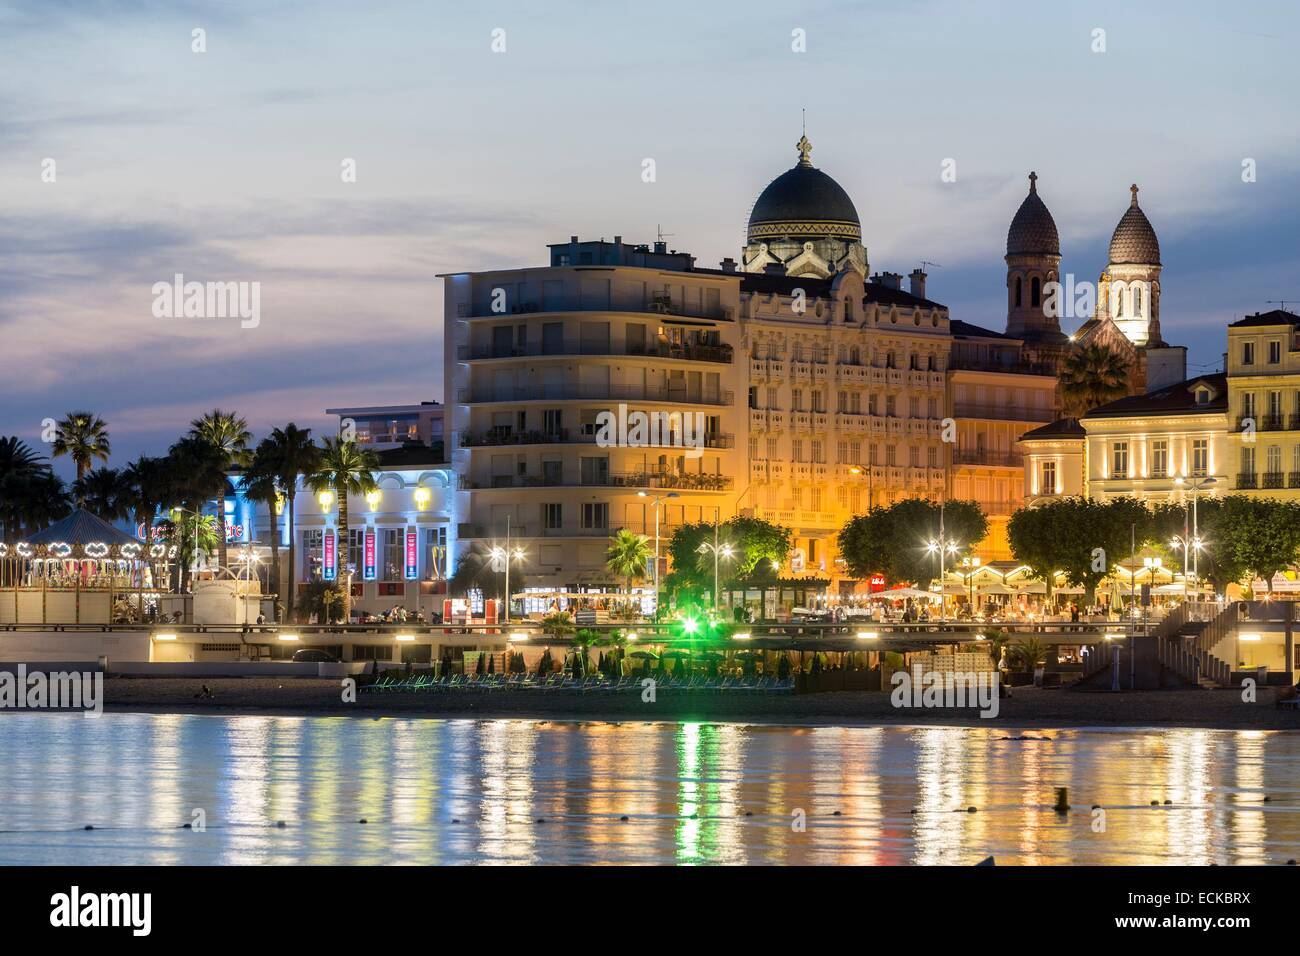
[1263,363]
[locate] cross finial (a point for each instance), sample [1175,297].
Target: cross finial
[1134,189]
[1033,181]
[804,148]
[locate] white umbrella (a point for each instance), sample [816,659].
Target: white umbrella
[1032,587]
[993,587]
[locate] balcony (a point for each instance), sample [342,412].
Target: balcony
[960,363]
[1293,479]
[977,456]
[495,438]
[1247,480]
[568,392]
[1273,479]
[1263,423]
[718,354]
[691,481]
[1002,413]
[655,305]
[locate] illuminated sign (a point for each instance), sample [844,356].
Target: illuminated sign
[876,582]
[369,556]
[328,561]
[412,556]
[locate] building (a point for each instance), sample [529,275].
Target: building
[382,427]
[1263,421]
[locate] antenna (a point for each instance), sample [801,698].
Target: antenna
[926,262]
[1282,302]
[804,113]
[659,232]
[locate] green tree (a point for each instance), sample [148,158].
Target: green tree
[262,484]
[756,544]
[145,491]
[83,436]
[344,468]
[192,535]
[229,436]
[1092,376]
[22,473]
[894,540]
[1255,536]
[296,455]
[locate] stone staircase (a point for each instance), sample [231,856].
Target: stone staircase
[1185,641]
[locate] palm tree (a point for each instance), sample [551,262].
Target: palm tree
[1030,652]
[145,491]
[628,555]
[262,483]
[229,435]
[1091,376]
[18,466]
[194,472]
[296,454]
[345,468]
[191,534]
[84,437]
[103,492]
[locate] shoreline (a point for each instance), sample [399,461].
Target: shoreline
[1028,707]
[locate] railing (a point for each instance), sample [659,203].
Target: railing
[565,437]
[1247,480]
[1293,479]
[1263,423]
[657,305]
[1273,479]
[641,479]
[1008,413]
[979,457]
[963,363]
[572,392]
[722,354]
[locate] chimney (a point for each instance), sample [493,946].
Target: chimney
[573,240]
[661,248]
[891,280]
[728,264]
[618,240]
[916,282]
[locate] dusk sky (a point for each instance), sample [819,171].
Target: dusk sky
[225,165]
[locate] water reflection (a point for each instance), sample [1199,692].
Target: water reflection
[521,791]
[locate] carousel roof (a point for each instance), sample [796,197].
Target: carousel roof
[82,528]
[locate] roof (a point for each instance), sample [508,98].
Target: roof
[1061,428]
[1033,230]
[1179,399]
[81,528]
[772,283]
[965,329]
[804,201]
[1275,317]
[1134,241]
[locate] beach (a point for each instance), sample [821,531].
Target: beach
[1027,707]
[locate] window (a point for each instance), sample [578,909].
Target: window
[891,452]
[595,515]
[818,454]
[771,449]
[1247,353]
[552,516]
[815,499]
[1047,479]
[1159,459]
[932,456]
[394,554]
[819,401]
[595,471]
[1248,405]
[551,421]
[1273,460]
[1017,293]
[796,399]
[753,448]
[1200,457]
[1248,461]
[1274,352]
[796,449]
[1119,459]
[1034,289]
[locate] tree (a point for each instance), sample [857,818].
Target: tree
[1257,537]
[83,436]
[193,473]
[262,484]
[1029,653]
[22,473]
[296,455]
[1079,537]
[145,491]
[229,436]
[755,543]
[344,468]
[103,492]
[628,555]
[1092,376]
[191,534]
[894,540]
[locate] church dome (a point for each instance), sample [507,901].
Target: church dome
[1134,241]
[803,202]
[1033,230]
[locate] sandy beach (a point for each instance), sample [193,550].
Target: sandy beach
[1028,707]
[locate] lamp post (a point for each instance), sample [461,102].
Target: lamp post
[724,550]
[1196,543]
[657,501]
[506,555]
[942,546]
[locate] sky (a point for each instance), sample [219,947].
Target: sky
[227,165]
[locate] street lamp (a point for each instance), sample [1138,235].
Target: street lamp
[724,550]
[505,556]
[1196,543]
[657,502]
[942,546]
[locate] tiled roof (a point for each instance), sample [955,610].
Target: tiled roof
[1033,230]
[1134,241]
[1177,399]
[1275,317]
[1061,428]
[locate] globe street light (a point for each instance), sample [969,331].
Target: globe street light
[1196,543]
[724,550]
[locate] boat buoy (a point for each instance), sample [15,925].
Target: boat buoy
[970,810]
[1062,800]
[624,819]
[88,827]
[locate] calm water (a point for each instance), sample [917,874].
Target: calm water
[685,788]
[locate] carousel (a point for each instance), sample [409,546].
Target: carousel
[80,570]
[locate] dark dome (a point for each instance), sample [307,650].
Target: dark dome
[1134,241]
[1033,230]
[804,201]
